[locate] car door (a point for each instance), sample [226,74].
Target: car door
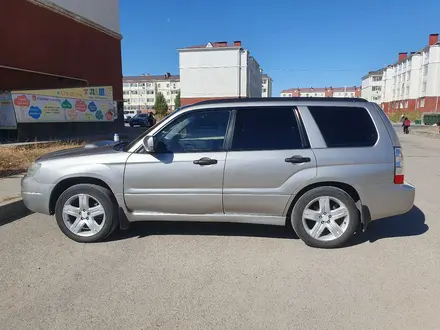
[185,173]
[269,159]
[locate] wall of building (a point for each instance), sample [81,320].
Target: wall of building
[211,73]
[267,87]
[102,12]
[59,50]
[218,70]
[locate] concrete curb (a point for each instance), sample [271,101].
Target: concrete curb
[12,210]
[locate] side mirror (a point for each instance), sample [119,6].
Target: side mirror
[148,143]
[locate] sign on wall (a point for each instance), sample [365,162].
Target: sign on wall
[64,105]
[7,114]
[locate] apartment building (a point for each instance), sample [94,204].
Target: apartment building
[372,86]
[140,92]
[412,83]
[354,91]
[267,86]
[218,70]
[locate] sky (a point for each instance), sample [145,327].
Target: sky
[298,43]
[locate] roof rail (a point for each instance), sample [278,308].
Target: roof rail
[282,99]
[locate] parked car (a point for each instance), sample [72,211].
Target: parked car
[327,166]
[141,119]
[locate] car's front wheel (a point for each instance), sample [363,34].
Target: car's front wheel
[86,213]
[325,217]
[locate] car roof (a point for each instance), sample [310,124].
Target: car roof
[281,100]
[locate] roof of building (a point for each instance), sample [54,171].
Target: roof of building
[217,44]
[320,89]
[411,54]
[134,79]
[374,73]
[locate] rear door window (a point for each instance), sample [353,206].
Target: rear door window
[345,127]
[266,128]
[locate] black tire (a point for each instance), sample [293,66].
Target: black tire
[104,197]
[131,125]
[309,196]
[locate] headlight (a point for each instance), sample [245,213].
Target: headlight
[33,169]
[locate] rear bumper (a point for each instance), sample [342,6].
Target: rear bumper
[390,200]
[36,196]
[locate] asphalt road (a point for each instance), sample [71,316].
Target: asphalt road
[202,276]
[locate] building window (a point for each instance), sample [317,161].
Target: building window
[168,85]
[133,85]
[422,102]
[406,104]
[377,78]
[424,87]
[158,85]
[376,88]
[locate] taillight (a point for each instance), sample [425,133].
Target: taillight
[399,178]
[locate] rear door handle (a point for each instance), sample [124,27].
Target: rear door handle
[298,159]
[205,161]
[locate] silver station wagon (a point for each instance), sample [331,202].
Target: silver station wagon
[327,166]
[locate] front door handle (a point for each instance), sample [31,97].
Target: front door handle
[205,161]
[298,159]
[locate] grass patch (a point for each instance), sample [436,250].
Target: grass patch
[413,116]
[15,160]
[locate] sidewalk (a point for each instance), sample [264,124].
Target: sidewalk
[10,187]
[11,204]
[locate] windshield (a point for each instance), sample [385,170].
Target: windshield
[144,134]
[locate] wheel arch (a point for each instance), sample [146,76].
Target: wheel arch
[350,190]
[65,184]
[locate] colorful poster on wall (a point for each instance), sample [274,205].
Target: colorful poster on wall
[7,114]
[64,105]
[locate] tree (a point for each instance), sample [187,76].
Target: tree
[177,101]
[160,105]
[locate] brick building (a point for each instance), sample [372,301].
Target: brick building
[60,44]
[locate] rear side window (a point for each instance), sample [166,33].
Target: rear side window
[345,127]
[266,128]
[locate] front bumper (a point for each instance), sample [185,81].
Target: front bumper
[36,196]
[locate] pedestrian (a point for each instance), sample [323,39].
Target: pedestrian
[406,124]
[151,119]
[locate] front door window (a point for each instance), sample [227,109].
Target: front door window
[202,131]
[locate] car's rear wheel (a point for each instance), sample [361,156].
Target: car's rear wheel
[86,213]
[131,125]
[325,217]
